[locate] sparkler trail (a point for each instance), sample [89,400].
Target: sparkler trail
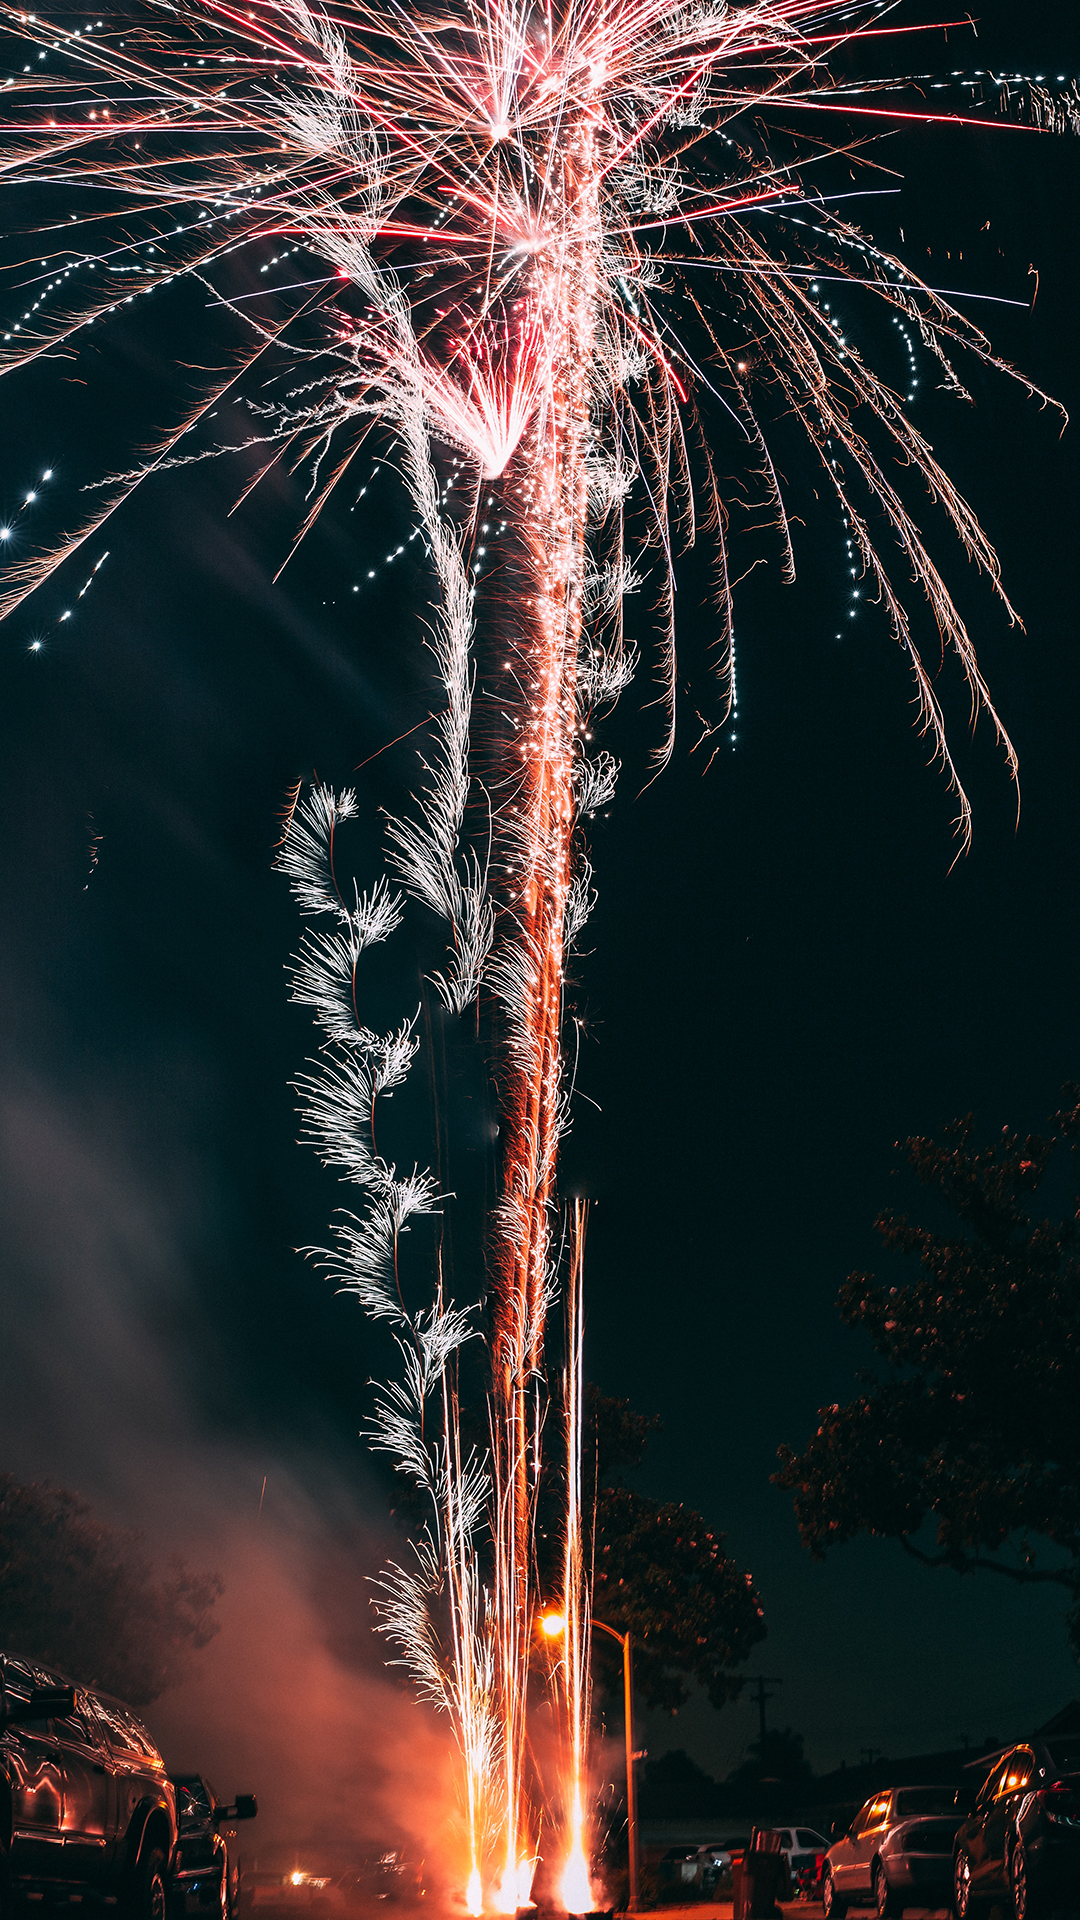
[491,215]
[575,1888]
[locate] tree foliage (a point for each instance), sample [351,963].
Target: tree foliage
[973,1420]
[661,1573]
[77,1595]
[776,1761]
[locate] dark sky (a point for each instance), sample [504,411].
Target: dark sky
[785,973]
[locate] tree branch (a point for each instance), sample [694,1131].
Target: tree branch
[976,1562]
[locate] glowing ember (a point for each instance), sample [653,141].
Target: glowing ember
[525,1871]
[506,1897]
[575,1891]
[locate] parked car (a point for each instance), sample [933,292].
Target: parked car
[1022,1840]
[803,1846]
[716,1861]
[897,1852]
[205,1879]
[681,1866]
[292,1892]
[86,1807]
[386,1873]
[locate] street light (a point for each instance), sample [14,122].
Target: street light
[554,1625]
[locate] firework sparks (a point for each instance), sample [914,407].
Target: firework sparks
[473,209]
[574,1884]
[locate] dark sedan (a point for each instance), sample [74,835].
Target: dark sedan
[206,1881]
[1023,1839]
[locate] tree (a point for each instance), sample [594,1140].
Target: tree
[974,1420]
[661,1572]
[77,1595]
[776,1761]
[674,1787]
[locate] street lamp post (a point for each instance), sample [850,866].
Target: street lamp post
[634,1902]
[554,1625]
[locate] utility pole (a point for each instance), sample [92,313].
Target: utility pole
[633,1904]
[633,1856]
[761,1681]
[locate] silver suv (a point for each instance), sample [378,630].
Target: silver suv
[86,1807]
[897,1852]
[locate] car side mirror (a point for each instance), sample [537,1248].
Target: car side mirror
[245,1807]
[42,1704]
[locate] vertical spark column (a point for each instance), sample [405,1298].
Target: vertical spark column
[574,1886]
[553,473]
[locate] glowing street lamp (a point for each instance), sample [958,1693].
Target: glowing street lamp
[553,1626]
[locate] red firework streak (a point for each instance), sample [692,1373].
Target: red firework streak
[552,469]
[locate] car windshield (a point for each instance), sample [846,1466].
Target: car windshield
[196,1794]
[919,1800]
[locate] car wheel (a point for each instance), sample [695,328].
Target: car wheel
[835,1908]
[148,1896]
[887,1902]
[1026,1903]
[964,1905]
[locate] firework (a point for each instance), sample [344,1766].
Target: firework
[575,1887]
[485,209]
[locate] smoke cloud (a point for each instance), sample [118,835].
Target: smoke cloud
[292,1700]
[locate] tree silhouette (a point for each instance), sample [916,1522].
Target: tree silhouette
[77,1595]
[973,1423]
[659,1571]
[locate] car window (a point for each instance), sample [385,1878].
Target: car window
[80,1727]
[988,1788]
[925,1800]
[1016,1772]
[125,1731]
[198,1793]
[806,1837]
[875,1813]
[862,1818]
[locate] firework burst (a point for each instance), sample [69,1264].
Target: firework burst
[490,203]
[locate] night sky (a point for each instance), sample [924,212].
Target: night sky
[785,974]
